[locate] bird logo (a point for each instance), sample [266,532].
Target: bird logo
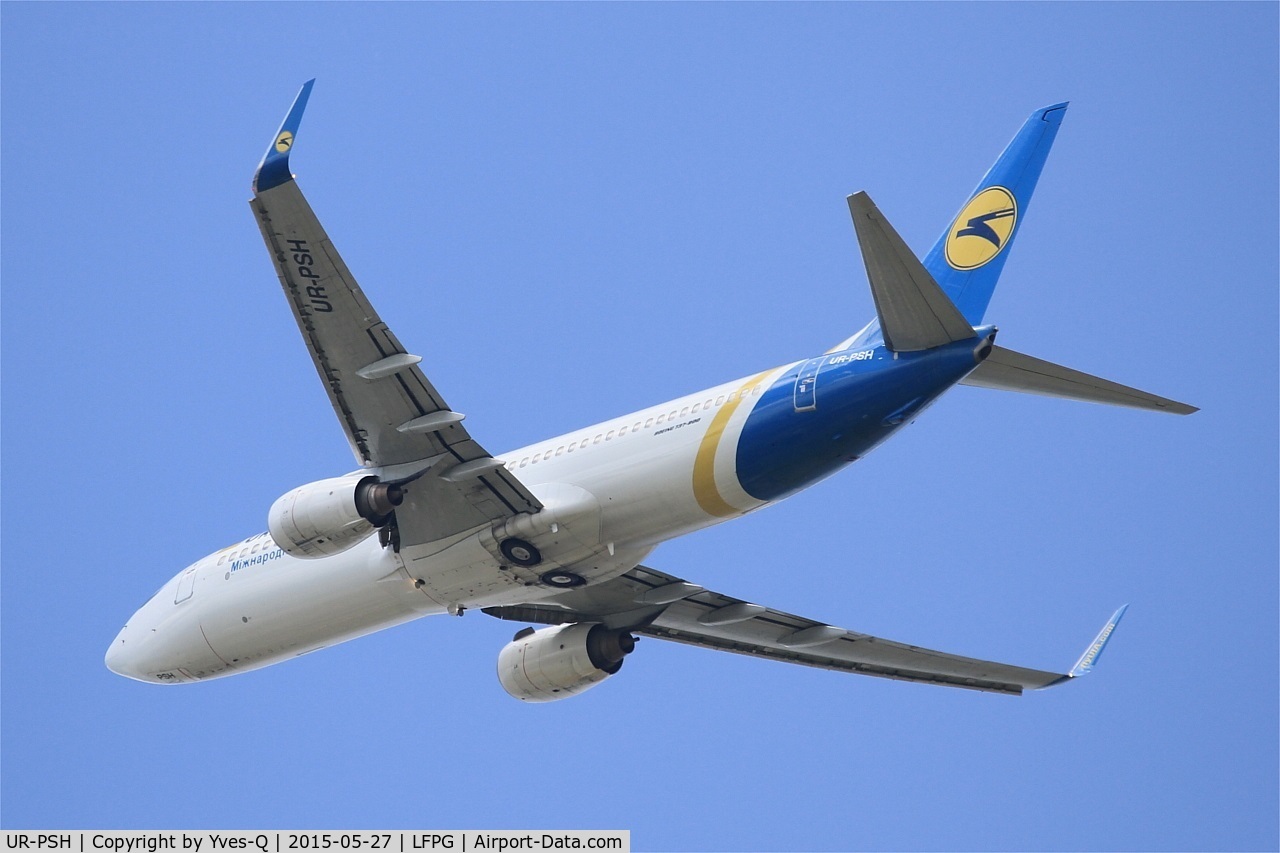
[284,141]
[982,229]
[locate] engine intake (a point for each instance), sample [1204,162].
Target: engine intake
[561,661]
[327,517]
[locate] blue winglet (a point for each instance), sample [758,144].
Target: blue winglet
[274,168]
[1090,657]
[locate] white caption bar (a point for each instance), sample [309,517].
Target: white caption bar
[301,841]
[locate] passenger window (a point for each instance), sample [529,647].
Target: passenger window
[559,450]
[222,559]
[622,431]
[706,405]
[661,418]
[635,427]
[609,437]
[695,408]
[684,411]
[597,439]
[255,548]
[524,461]
[720,400]
[649,422]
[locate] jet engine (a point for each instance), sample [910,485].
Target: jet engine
[561,661]
[329,516]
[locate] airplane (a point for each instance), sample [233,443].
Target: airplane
[556,534]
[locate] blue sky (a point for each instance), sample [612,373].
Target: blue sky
[574,211]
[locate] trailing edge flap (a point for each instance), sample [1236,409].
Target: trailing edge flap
[914,312]
[1007,370]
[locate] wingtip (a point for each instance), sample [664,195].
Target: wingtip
[274,168]
[1089,659]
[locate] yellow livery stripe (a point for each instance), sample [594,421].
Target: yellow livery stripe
[704,464]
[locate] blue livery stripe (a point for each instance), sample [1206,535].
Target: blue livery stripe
[811,423]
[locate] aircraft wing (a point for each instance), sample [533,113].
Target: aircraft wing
[654,604]
[390,411]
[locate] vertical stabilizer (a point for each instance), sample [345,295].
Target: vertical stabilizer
[968,257]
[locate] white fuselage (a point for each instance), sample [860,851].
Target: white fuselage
[616,490]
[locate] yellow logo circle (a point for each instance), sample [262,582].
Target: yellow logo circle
[982,229]
[284,141]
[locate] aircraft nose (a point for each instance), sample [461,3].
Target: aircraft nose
[129,655]
[122,657]
[118,660]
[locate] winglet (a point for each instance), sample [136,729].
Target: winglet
[1090,657]
[274,168]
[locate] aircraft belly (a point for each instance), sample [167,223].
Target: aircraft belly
[472,569]
[463,572]
[604,509]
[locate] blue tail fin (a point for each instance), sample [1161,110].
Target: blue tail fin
[967,259]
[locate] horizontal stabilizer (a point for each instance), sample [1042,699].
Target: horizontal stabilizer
[914,312]
[1007,370]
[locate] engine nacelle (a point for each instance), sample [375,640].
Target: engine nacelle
[561,661]
[329,516]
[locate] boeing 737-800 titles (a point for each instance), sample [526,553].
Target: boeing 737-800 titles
[554,534]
